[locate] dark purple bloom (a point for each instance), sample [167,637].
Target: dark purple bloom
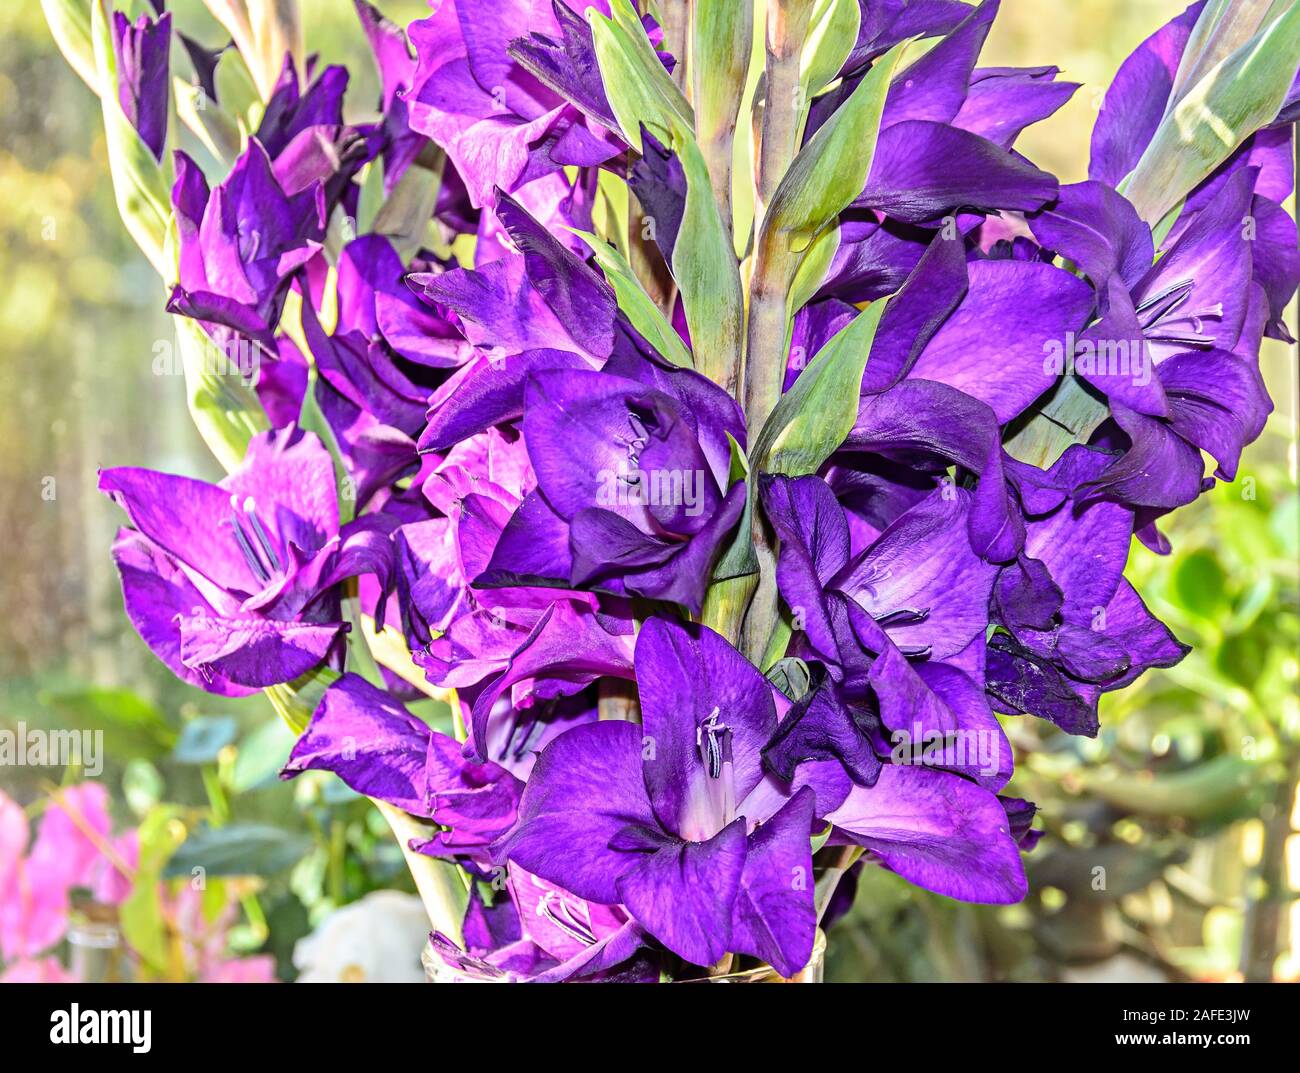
[675,819]
[510,653]
[1073,627]
[556,936]
[900,627]
[141,52]
[938,831]
[234,585]
[241,244]
[538,309]
[380,365]
[1175,346]
[304,134]
[943,158]
[633,481]
[501,126]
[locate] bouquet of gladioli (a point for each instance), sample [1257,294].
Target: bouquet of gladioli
[704,408]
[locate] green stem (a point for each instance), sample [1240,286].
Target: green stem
[441,887]
[217,800]
[338,847]
[769,294]
[764,371]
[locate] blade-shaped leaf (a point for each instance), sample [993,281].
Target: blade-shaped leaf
[639,89]
[706,272]
[831,170]
[816,415]
[1229,103]
[831,35]
[646,317]
[238,849]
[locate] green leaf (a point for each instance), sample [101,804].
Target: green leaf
[646,317]
[295,701]
[706,272]
[222,405]
[1199,582]
[404,217]
[739,467]
[814,265]
[831,170]
[814,417]
[1068,416]
[207,121]
[131,725]
[1222,27]
[724,31]
[1237,96]
[832,32]
[237,849]
[203,738]
[69,22]
[235,89]
[640,91]
[141,915]
[789,674]
[142,785]
[261,755]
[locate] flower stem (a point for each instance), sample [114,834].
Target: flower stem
[442,889]
[773,270]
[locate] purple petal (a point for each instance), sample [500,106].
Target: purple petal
[1136,99]
[938,831]
[924,170]
[585,789]
[369,741]
[255,651]
[775,918]
[1032,305]
[700,700]
[683,894]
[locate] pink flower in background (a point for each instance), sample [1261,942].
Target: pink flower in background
[74,848]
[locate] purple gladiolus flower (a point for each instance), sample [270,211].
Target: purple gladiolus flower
[1073,626]
[900,626]
[501,126]
[675,819]
[241,244]
[233,585]
[141,52]
[379,749]
[633,493]
[692,689]
[1175,346]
